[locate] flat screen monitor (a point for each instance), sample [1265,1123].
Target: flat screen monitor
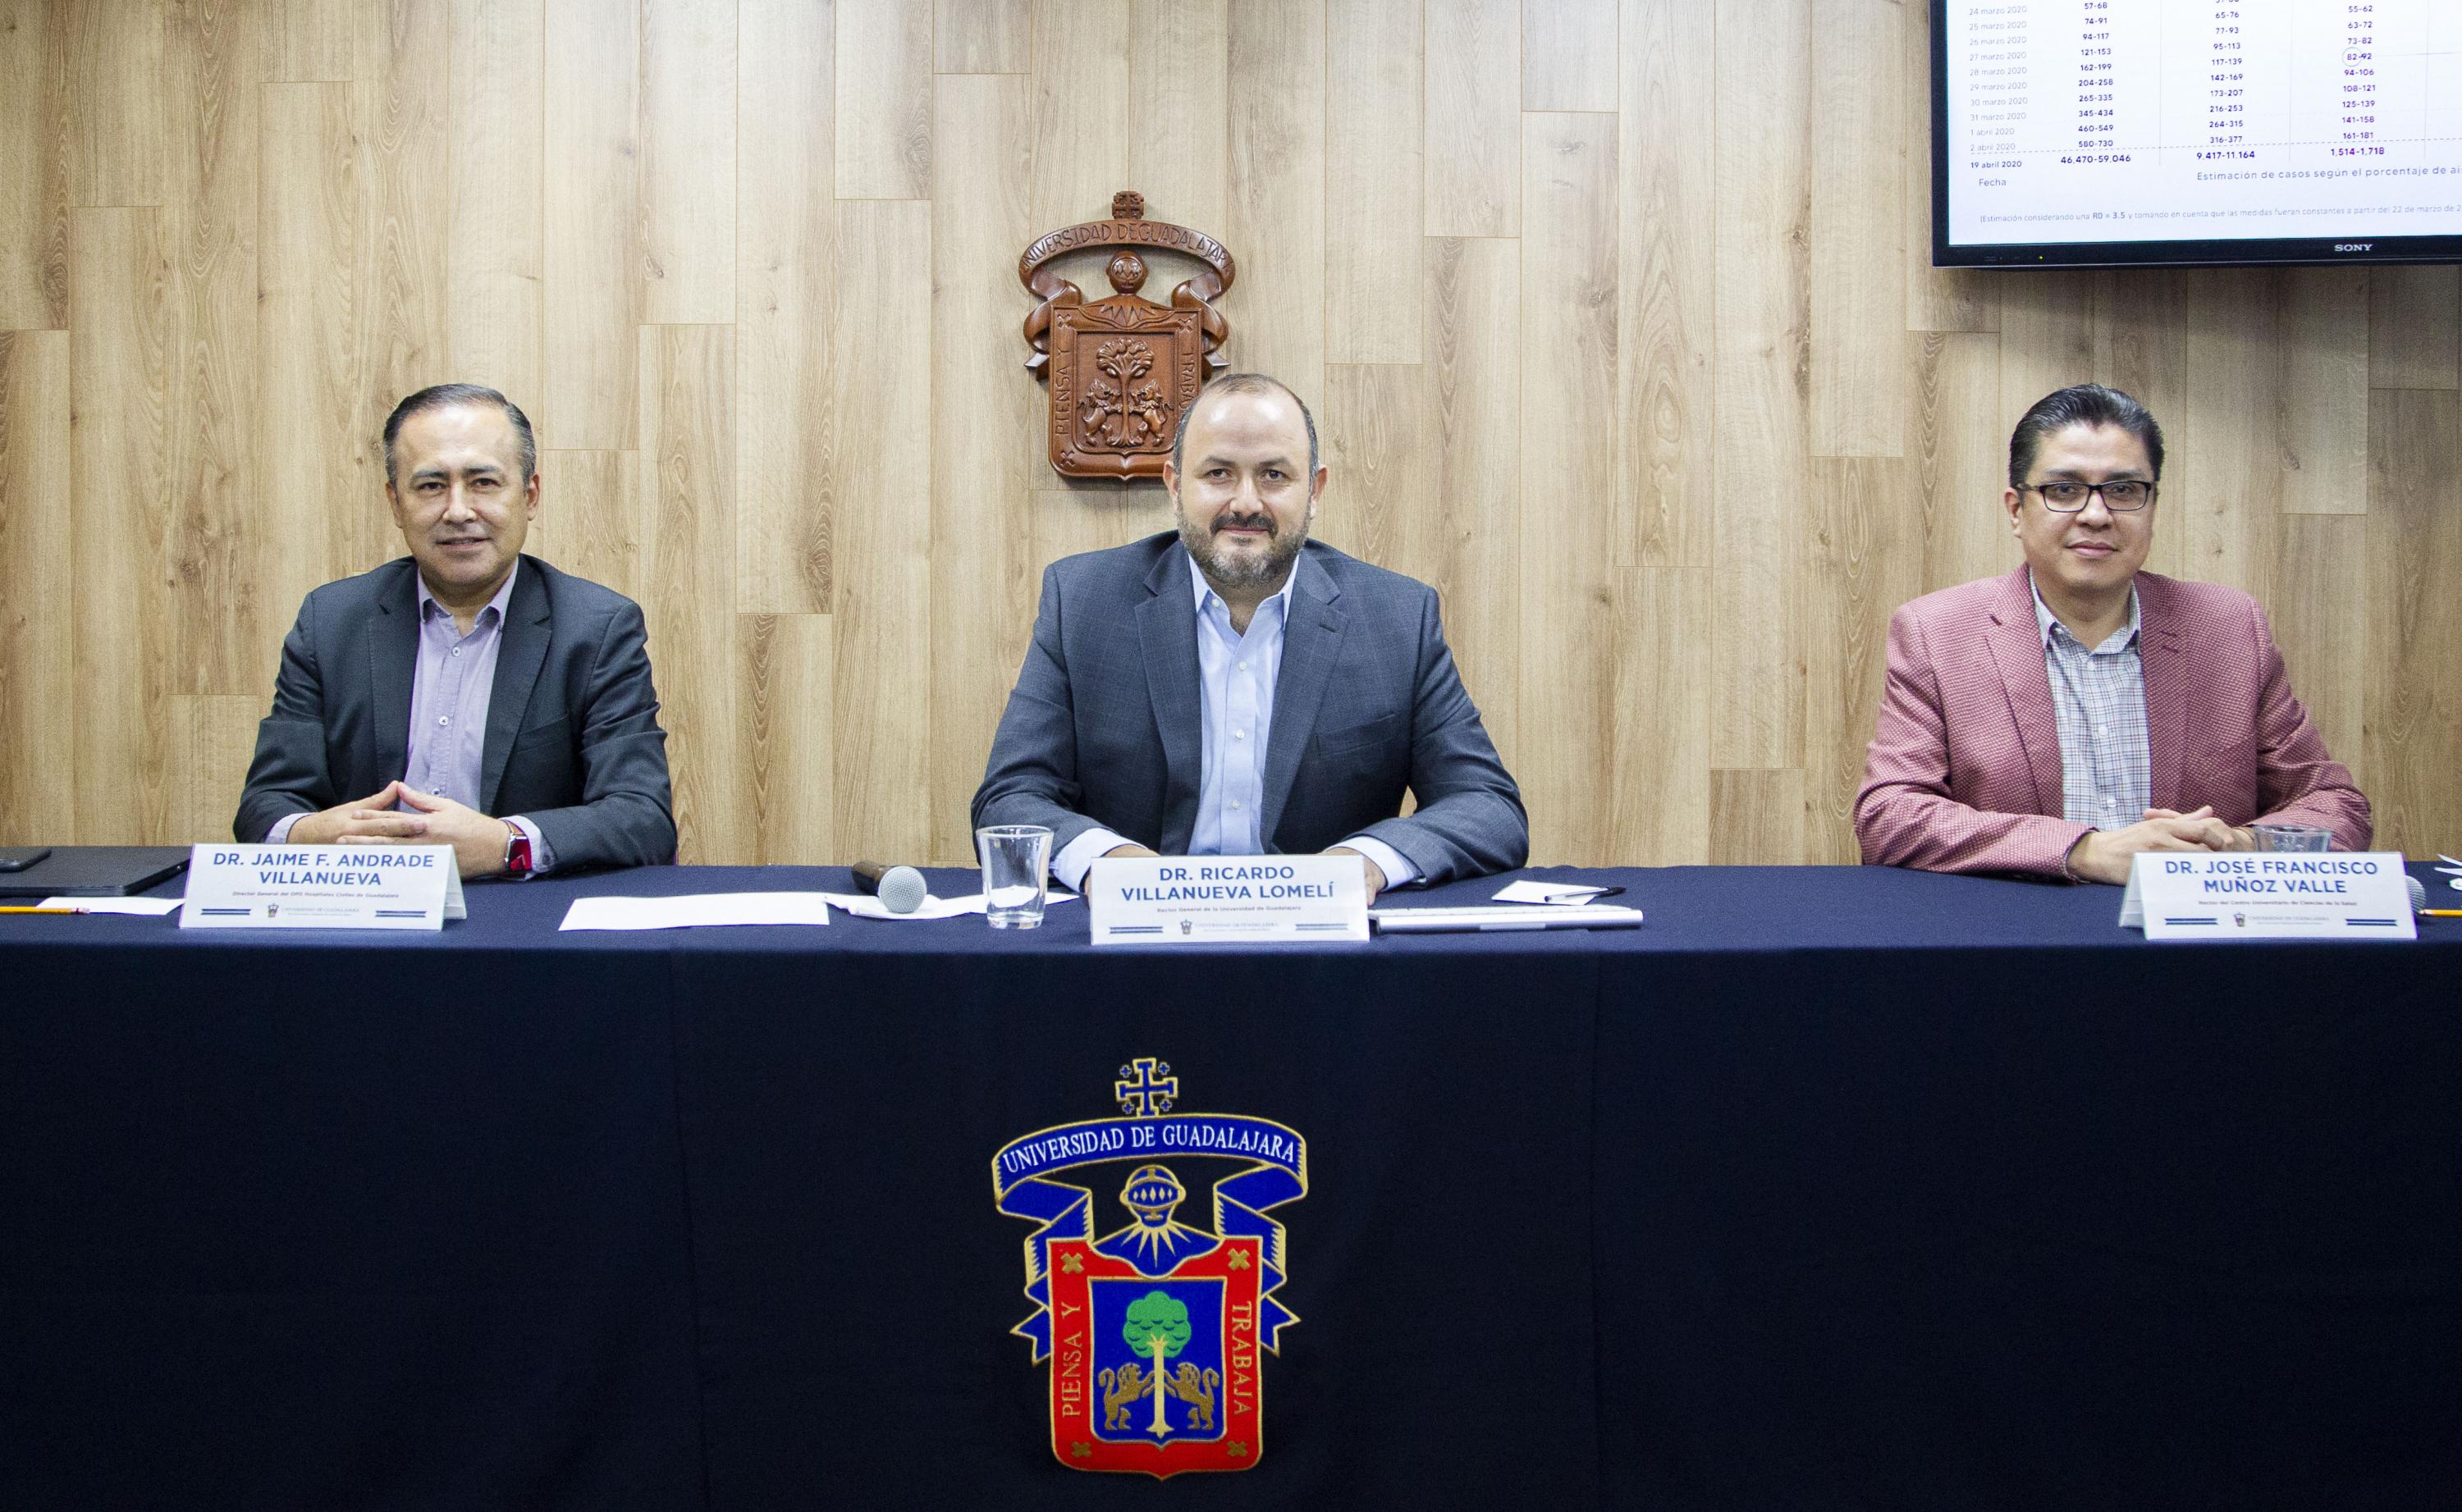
[2085,133]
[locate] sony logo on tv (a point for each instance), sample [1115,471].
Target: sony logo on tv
[2355,246]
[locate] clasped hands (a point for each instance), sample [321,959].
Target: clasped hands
[2105,855]
[478,841]
[1376,874]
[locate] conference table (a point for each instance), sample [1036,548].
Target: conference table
[1826,1187]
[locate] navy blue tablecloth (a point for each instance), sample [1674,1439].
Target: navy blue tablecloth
[1827,1187]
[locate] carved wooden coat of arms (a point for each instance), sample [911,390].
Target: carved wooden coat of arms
[1123,368]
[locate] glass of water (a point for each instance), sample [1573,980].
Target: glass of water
[2293,837]
[1015,857]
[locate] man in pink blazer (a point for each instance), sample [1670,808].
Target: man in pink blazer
[2058,720]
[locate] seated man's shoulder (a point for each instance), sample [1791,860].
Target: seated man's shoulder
[2195,599]
[566,592]
[1353,576]
[1115,567]
[1968,602]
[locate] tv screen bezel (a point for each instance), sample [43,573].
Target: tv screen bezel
[2251,252]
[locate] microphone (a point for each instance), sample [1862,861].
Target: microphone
[2418,893]
[901,889]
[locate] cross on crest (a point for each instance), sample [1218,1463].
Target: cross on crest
[1146,1088]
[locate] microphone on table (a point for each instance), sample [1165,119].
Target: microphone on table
[901,889]
[2418,894]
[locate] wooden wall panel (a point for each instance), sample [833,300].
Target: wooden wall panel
[884,76]
[787,280]
[1472,113]
[1616,315]
[687,160]
[592,257]
[35,132]
[120,448]
[1373,182]
[38,663]
[493,301]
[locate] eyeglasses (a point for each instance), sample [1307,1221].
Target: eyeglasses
[2121,495]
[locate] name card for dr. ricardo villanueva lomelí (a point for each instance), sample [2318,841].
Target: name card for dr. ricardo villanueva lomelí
[2269,895]
[322,887]
[1207,900]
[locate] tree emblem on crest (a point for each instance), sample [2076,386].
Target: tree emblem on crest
[1122,368]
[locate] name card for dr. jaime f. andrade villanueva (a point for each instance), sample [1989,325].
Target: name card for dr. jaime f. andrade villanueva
[322,887]
[2269,895]
[1198,899]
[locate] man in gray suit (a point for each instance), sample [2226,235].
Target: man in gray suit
[1235,689]
[466,680]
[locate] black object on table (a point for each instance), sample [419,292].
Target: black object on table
[1828,1189]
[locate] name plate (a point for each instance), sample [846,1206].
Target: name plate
[2267,895]
[322,887]
[1207,900]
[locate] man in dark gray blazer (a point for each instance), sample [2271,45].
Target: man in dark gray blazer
[467,680]
[1232,687]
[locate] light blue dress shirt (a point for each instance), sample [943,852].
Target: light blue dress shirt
[2099,707]
[1238,672]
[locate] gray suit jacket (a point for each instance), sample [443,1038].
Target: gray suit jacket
[1104,726]
[572,743]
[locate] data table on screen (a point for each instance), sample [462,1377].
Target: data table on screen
[2124,120]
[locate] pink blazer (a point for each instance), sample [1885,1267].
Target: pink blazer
[1964,770]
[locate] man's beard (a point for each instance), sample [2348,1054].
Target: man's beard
[1282,549]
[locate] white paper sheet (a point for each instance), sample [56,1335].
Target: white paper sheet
[1530,891]
[865,906]
[697,910]
[147,908]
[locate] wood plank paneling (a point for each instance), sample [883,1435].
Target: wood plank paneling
[784,712]
[983,36]
[36,129]
[786,275]
[590,517]
[1472,113]
[2324,397]
[985,428]
[591,252]
[687,555]
[1569,395]
[226,552]
[492,300]
[2414,703]
[1635,355]
[882,668]
[38,661]
[1667,284]
[688,161]
[1373,182]
[1179,115]
[1569,55]
[1080,76]
[1473,431]
[1859,173]
[309,431]
[2416,328]
[1276,223]
[119,392]
[884,81]
[1764,461]
[120,134]
[308,41]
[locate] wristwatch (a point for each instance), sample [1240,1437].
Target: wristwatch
[517,852]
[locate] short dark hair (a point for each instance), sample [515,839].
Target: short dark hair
[2081,404]
[444,396]
[1243,383]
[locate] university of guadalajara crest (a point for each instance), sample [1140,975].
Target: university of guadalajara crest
[1155,1332]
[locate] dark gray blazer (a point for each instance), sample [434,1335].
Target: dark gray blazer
[572,745]
[1104,726]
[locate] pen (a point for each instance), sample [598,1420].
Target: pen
[2442,913]
[14,909]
